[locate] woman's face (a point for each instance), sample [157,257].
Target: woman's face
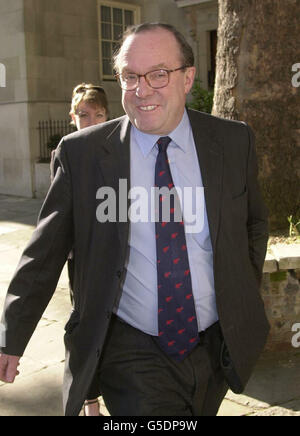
[88,114]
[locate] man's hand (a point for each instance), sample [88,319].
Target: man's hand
[8,367]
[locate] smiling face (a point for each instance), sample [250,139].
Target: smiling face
[155,111]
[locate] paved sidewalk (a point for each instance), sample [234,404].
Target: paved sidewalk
[274,389]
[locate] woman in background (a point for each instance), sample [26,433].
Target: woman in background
[89,107]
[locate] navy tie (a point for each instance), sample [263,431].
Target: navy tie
[177,321]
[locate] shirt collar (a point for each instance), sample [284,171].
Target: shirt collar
[179,136]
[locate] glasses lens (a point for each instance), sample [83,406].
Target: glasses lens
[157,79]
[128,80]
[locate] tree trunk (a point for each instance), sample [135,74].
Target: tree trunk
[256,81]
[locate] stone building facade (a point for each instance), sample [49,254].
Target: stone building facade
[48,47]
[280,290]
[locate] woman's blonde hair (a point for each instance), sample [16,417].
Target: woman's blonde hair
[90,94]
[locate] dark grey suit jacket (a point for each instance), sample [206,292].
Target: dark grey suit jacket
[99,156]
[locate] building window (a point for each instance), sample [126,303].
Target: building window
[113,19]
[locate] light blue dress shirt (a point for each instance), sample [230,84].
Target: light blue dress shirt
[138,303]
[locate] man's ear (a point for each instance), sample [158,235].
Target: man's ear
[189,78]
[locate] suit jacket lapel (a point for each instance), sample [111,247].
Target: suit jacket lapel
[210,155]
[114,164]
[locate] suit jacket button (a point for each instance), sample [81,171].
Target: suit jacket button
[119,273]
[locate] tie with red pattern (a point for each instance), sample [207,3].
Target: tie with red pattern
[177,321]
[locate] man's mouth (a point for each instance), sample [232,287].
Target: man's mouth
[148,108]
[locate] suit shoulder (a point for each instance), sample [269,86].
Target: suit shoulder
[214,120]
[90,133]
[85,142]
[221,129]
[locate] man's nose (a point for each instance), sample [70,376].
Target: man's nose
[143,89]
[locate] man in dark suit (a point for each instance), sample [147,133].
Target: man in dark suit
[168,310]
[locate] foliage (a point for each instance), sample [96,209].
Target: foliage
[294,226]
[202,99]
[281,195]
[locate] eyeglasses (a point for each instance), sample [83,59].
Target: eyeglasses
[87,88]
[156,79]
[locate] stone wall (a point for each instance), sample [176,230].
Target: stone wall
[281,294]
[15,166]
[48,47]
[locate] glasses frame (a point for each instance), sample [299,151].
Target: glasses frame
[118,76]
[87,88]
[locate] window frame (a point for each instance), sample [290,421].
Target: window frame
[117,5]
